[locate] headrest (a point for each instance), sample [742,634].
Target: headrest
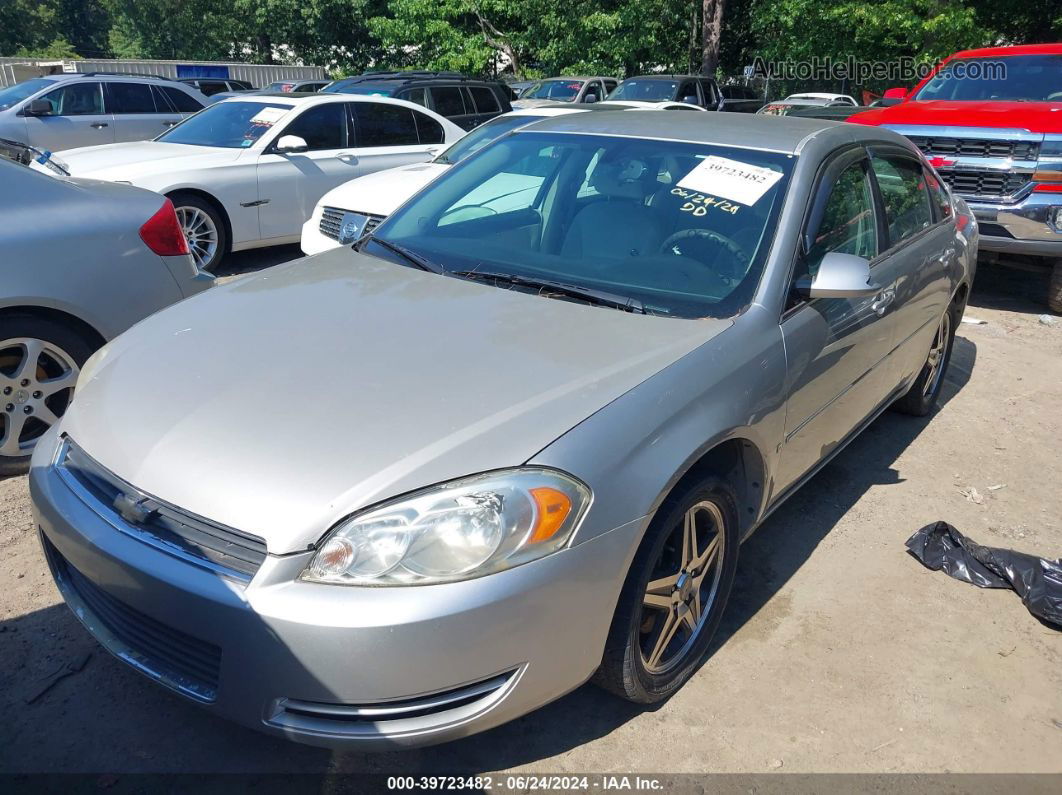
[623,178]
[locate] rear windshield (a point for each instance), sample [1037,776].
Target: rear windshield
[231,125]
[12,95]
[1015,78]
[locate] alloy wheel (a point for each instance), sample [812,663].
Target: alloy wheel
[201,234]
[37,380]
[682,588]
[937,353]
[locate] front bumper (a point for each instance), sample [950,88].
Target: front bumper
[1027,227]
[336,666]
[312,240]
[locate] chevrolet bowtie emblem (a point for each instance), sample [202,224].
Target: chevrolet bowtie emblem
[132,509]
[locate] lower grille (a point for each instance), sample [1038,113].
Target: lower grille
[410,714]
[185,663]
[976,182]
[332,222]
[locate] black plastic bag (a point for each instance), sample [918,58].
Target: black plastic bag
[1036,580]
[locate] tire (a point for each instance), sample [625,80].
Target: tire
[1054,289]
[204,228]
[924,392]
[34,396]
[630,666]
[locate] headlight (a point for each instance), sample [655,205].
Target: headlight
[456,531]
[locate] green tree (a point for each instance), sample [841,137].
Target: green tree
[170,29]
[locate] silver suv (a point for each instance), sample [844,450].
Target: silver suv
[66,111]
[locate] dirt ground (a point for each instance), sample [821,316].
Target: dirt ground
[839,651]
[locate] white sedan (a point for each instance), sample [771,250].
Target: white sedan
[248,171]
[355,208]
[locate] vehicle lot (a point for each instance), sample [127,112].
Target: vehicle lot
[839,652]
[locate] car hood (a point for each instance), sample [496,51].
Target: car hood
[282,402]
[126,161]
[382,192]
[1036,117]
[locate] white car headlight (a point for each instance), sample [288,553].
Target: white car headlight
[456,531]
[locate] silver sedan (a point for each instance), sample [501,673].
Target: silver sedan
[485,455]
[81,262]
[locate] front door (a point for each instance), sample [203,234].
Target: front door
[290,183]
[77,118]
[836,348]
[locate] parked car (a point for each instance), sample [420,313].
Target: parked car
[566,89]
[248,171]
[113,256]
[70,110]
[209,86]
[465,101]
[518,87]
[297,86]
[833,99]
[740,98]
[375,196]
[784,107]
[996,139]
[526,453]
[829,112]
[692,89]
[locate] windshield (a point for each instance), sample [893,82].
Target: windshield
[561,90]
[1022,78]
[483,135]
[12,95]
[645,90]
[232,125]
[676,228]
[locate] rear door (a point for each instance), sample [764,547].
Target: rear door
[836,348]
[290,183]
[921,252]
[137,116]
[388,135]
[78,118]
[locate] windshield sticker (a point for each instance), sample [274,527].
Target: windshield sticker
[268,116]
[698,204]
[731,179]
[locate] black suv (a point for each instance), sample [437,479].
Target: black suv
[465,101]
[694,89]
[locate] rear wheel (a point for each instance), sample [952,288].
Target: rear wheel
[203,229]
[40,361]
[925,390]
[674,595]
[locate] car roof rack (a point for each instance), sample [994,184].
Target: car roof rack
[122,74]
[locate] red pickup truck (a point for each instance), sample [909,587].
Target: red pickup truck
[990,122]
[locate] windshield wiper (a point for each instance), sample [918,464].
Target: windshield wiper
[44,158]
[411,257]
[588,294]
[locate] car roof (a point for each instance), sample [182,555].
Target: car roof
[817,95]
[750,131]
[1003,52]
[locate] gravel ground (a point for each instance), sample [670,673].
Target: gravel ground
[839,652]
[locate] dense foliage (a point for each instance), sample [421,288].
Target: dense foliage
[528,37]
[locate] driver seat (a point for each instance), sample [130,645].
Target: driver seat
[620,225]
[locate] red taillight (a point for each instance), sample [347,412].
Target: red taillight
[163,234]
[1048,187]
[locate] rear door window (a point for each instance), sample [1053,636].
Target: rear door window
[905,194]
[416,95]
[485,100]
[429,130]
[378,124]
[447,101]
[130,98]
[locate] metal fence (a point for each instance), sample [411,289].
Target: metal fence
[14,70]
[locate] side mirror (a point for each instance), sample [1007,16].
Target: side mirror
[39,107]
[590,98]
[288,144]
[839,276]
[690,99]
[895,93]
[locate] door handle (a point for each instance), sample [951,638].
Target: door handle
[347,157]
[881,303]
[99,125]
[168,123]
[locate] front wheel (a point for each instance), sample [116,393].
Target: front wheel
[925,390]
[674,596]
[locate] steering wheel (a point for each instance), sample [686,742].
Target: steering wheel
[732,271]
